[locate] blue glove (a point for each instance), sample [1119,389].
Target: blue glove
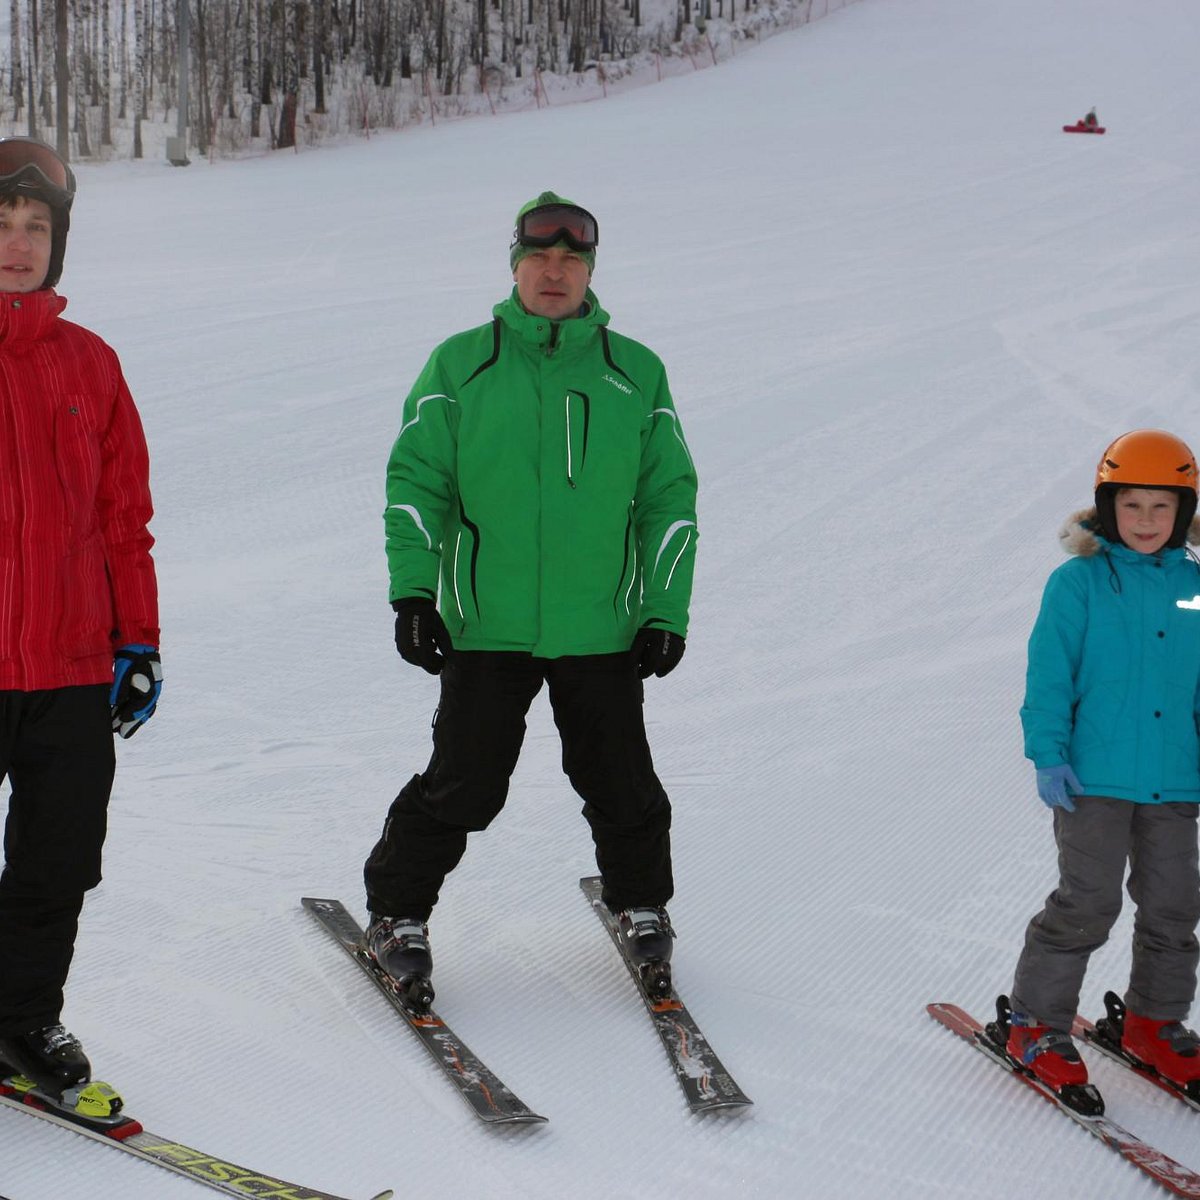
[1055,786]
[137,682]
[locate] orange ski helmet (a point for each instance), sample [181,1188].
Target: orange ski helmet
[1148,458]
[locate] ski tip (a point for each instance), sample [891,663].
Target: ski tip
[387,1195]
[726,1104]
[523,1118]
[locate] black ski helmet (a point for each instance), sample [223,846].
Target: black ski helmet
[1147,458]
[30,168]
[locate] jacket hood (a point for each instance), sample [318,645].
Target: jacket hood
[1080,533]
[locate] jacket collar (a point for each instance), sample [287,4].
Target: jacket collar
[25,317]
[539,331]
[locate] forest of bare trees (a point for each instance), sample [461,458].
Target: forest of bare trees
[80,72]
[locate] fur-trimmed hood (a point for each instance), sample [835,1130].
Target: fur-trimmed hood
[1080,533]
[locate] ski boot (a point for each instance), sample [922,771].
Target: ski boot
[51,1058]
[646,937]
[400,946]
[1049,1055]
[1168,1048]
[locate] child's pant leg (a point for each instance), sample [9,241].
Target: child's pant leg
[1093,845]
[1164,883]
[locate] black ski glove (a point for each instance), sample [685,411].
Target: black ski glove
[421,633]
[656,651]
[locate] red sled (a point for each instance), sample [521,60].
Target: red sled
[1081,127]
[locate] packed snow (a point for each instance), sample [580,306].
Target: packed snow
[902,315]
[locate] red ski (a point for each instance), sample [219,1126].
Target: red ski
[1081,127]
[1176,1178]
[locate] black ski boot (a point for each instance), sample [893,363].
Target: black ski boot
[646,936]
[400,945]
[51,1057]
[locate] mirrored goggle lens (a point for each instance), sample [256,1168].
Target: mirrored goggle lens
[557,223]
[22,158]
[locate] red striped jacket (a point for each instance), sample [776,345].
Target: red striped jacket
[76,576]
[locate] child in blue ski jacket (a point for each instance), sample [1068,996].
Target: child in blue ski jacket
[1111,724]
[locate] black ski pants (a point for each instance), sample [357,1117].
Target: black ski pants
[477,734]
[56,749]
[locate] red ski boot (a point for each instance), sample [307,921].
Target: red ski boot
[1048,1053]
[1168,1047]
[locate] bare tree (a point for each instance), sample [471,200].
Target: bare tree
[104,71]
[139,74]
[291,76]
[17,88]
[79,77]
[62,81]
[318,54]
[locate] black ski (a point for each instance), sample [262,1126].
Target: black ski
[490,1099]
[125,1133]
[705,1082]
[1105,1036]
[1176,1178]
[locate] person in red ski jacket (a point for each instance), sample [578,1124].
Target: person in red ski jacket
[78,609]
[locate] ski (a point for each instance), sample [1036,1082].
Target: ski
[1104,1035]
[705,1082]
[125,1133]
[1176,1178]
[1081,128]
[490,1099]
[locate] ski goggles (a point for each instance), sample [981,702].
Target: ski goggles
[30,164]
[549,224]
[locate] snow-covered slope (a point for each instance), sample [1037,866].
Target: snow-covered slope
[902,315]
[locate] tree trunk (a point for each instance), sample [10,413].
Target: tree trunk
[80,80]
[318,57]
[291,82]
[203,116]
[62,82]
[105,67]
[123,69]
[139,68]
[34,68]
[17,90]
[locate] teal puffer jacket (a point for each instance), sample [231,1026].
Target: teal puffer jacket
[1113,684]
[541,472]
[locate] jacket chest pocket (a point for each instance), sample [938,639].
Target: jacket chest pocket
[77,458]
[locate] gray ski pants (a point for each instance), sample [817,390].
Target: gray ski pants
[1094,842]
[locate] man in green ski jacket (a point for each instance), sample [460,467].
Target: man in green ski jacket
[541,527]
